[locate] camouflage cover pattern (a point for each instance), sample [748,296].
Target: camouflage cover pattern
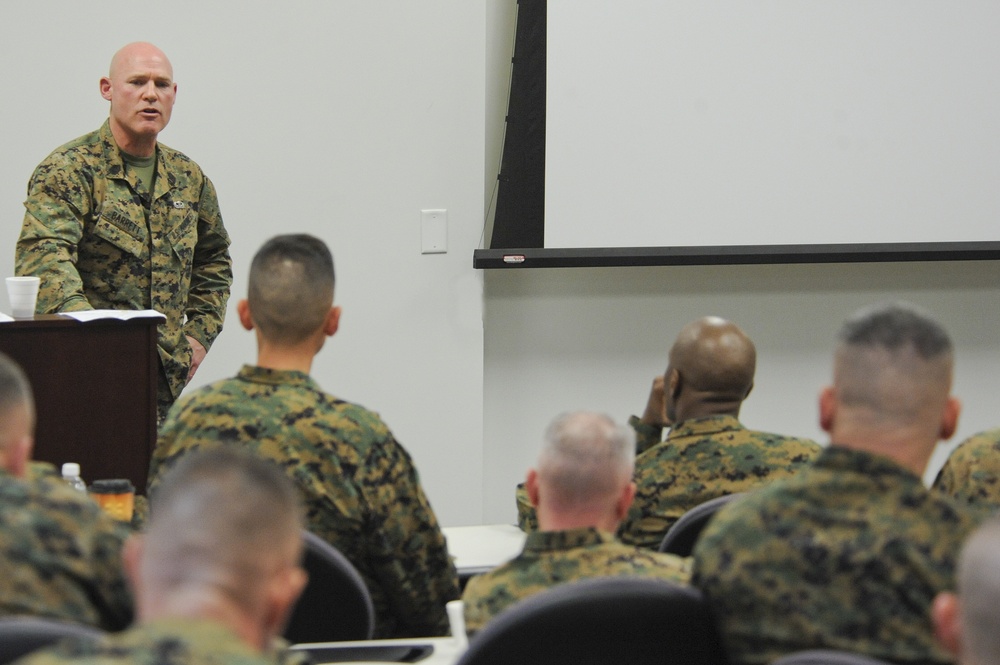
[360,487]
[86,235]
[848,554]
[61,554]
[701,459]
[172,641]
[550,558]
[972,472]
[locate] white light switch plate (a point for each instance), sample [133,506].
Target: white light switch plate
[433,231]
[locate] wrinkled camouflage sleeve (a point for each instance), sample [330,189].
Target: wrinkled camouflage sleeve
[526,518]
[59,200]
[409,554]
[646,436]
[972,472]
[211,272]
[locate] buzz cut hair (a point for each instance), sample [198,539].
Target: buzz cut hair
[895,326]
[291,287]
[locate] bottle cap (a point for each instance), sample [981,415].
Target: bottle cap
[70,469]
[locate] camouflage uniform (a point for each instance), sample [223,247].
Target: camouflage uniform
[555,557]
[701,459]
[847,554]
[61,554]
[361,490]
[172,641]
[972,472]
[95,244]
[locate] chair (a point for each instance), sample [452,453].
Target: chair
[682,534]
[827,657]
[336,604]
[633,620]
[22,634]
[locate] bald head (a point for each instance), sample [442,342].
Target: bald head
[711,369]
[138,52]
[291,288]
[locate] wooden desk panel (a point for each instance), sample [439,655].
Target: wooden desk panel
[95,391]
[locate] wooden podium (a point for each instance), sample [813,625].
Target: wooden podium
[95,391]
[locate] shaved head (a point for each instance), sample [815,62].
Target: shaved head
[137,51]
[221,521]
[895,362]
[291,287]
[711,369]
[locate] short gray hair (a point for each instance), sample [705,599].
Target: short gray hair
[221,518]
[586,456]
[15,391]
[979,593]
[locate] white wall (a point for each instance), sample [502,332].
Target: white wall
[563,339]
[343,119]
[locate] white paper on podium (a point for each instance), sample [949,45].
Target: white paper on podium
[5,318]
[120,314]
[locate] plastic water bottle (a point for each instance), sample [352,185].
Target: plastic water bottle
[71,474]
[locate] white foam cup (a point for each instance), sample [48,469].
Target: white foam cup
[23,295]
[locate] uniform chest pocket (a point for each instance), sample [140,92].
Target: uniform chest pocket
[183,235]
[119,230]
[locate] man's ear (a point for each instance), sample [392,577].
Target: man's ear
[243,310]
[17,456]
[105,86]
[282,592]
[947,622]
[949,418]
[131,560]
[625,501]
[332,322]
[827,408]
[674,383]
[531,486]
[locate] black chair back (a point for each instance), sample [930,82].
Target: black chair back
[827,657]
[20,635]
[336,604]
[599,621]
[683,534]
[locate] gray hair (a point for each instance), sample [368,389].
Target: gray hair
[221,518]
[586,457]
[979,594]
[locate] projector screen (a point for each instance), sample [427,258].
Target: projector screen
[772,122]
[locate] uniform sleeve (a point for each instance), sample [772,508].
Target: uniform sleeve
[646,436]
[59,199]
[409,556]
[211,272]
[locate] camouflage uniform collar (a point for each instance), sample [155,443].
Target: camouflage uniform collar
[704,426]
[115,163]
[548,541]
[197,633]
[275,377]
[841,458]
